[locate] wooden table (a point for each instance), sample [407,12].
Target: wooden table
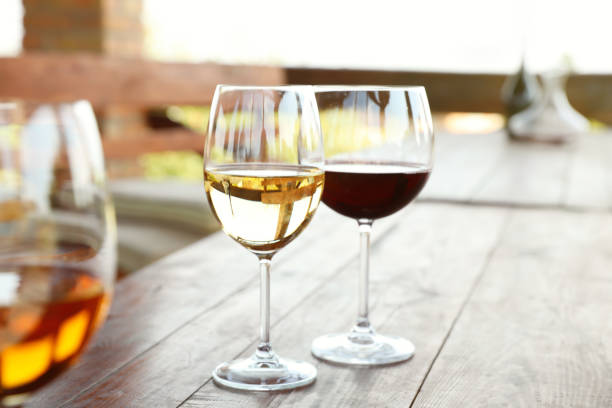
[500,274]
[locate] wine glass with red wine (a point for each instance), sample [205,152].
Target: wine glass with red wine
[378,148]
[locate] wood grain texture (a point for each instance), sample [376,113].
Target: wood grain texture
[160,299]
[222,332]
[151,304]
[463,164]
[491,170]
[420,278]
[184,292]
[528,174]
[536,331]
[590,173]
[503,313]
[105,80]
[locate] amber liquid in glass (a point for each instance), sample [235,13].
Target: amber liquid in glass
[48,312]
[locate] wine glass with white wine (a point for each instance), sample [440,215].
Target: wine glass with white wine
[263,178]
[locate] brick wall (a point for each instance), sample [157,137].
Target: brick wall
[111,27]
[102,26]
[123,33]
[68,25]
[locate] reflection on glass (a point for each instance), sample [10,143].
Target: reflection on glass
[378,149]
[263,179]
[57,242]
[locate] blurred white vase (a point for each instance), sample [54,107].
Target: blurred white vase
[550,119]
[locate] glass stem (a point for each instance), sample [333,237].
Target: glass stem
[264,351]
[362,331]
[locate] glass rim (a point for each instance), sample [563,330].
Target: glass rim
[232,87]
[340,88]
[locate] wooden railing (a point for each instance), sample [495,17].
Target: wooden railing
[105,80]
[128,82]
[461,92]
[133,82]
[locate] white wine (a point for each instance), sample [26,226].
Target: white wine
[263,206]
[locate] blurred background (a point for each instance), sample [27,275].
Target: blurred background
[149,67]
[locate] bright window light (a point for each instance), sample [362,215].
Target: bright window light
[432,35]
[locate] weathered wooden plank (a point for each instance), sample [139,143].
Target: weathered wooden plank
[528,174]
[536,331]
[156,301]
[463,164]
[104,80]
[151,379]
[420,278]
[149,305]
[489,169]
[590,172]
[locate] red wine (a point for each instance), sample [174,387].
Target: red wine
[371,190]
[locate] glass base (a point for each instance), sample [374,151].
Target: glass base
[369,350]
[14,401]
[254,374]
